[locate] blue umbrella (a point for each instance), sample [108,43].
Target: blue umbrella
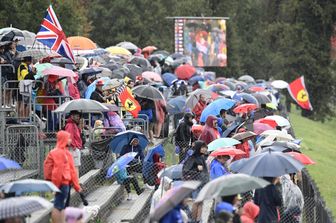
[121,163]
[173,172]
[268,164]
[29,186]
[230,129]
[157,149]
[176,105]
[169,78]
[8,164]
[247,97]
[194,79]
[214,108]
[124,138]
[92,87]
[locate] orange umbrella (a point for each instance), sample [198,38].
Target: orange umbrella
[81,43]
[244,108]
[149,49]
[304,159]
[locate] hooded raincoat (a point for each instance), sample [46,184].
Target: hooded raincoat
[59,165]
[217,169]
[250,212]
[210,132]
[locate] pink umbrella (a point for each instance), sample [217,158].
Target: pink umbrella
[152,76]
[59,71]
[259,128]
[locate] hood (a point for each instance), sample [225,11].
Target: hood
[134,137]
[251,210]
[209,121]
[62,139]
[197,147]
[186,118]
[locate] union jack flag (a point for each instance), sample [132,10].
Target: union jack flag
[52,35]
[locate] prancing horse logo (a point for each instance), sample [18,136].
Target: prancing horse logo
[129,105]
[302,96]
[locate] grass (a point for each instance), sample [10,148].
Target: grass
[319,144]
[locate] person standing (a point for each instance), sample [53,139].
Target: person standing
[183,135]
[199,107]
[72,127]
[59,168]
[210,132]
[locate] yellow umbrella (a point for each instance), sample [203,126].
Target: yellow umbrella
[116,50]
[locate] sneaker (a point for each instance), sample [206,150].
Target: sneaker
[128,197]
[140,192]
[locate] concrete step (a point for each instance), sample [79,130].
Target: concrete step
[106,198]
[12,175]
[41,216]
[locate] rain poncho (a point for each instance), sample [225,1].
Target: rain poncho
[291,194]
[198,109]
[210,132]
[112,119]
[217,169]
[163,188]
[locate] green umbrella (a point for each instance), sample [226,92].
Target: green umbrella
[222,142]
[41,67]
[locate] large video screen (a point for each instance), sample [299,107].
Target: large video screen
[204,40]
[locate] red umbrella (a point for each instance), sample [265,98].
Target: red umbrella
[259,128]
[244,108]
[304,159]
[256,88]
[185,71]
[149,49]
[269,122]
[227,152]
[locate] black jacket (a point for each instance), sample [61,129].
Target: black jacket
[97,96]
[268,199]
[183,134]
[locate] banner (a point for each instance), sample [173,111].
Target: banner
[203,40]
[128,101]
[298,91]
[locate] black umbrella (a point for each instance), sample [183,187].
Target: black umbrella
[134,71]
[149,92]
[262,99]
[61,60]
[141,62]
[11,35]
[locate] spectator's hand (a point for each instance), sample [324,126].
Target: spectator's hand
[34,70]
[200,168]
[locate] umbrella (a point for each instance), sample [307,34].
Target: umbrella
[259,128]
[185,71]
[58,71]
[152,76]
[12,34]
[37,53]
[29,186]
[41,67]
[146,91]
[176,105]
[141,62]
[156,57]
[215,107]
[281,146]
[92,87]
[278,134]
[245,108]
[218,87]
[230,185]
[246,97]
[81,43]
[115,50]
[113,83]
[246,78]
[61,60]
[243,135]
[268,122]
[91,71]
[227,152]
[262,99]
[222,142]
[149,49]
[6,164]
[169,79]
[193,98]
[123,138]
[281,121]
[134,70]
[194,79]
[256,89]
[157,149]
[176,56]
[304,159]
[279,84]
[162,52]
[230,129]
[172,198]
[269,164]
[21,206]
[128,46]
[173,172]
[227,93]
[83,105]
[121,163]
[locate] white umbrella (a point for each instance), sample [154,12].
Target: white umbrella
[28,186]
[82,105]
[193,98]
[279,84]
[281,121]
[280,135]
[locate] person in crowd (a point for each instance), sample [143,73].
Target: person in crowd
[175,89]
[84,82]
[148,108]
[99,130]
[174,215]
[262,112]
[139,81]
[243,146]
[224,212]
[269,200]
[183,136]
[250,212]
[218,167]
[195,168]
[72,127]
[199,107]
[183,89]
[98,95]
[134,146]
[224,122]
[165,185]
[161,112]
[59,168]
[157,167]
[123,178]
[73,87]
[235,201]
[210,132]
